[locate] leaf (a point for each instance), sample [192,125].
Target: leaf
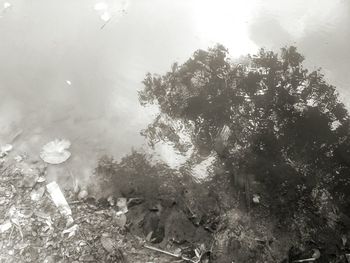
[55,152]
[108,244]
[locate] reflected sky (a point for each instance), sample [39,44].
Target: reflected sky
[72,68]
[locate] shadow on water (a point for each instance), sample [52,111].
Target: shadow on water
[67,78]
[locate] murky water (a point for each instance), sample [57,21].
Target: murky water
[71,69]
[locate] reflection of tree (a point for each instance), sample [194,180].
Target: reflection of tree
[269,117]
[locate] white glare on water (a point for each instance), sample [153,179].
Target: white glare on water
[101,6]
[7,5]
[106,16]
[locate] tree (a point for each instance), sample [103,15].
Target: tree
[267,116]
[137,175]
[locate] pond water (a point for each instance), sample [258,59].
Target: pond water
[71,69]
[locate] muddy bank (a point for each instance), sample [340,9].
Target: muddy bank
[139,211]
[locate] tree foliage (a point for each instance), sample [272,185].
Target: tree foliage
[137,175]
[267,116]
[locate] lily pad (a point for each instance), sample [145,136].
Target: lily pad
[55,152]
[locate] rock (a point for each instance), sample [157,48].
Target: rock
[30,175]
[119,219]
[83,194]
[111,200]
[70,231]
[108,244]
[256,199]
[122,205]
[135,201]
[18,158]
[41,179]
[37,194]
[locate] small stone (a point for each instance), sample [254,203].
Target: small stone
[18,158]
[122,205]
[256,199]
[111,200]
[41,179]
[83,194]
[37,194]
[30,175]
[120,219]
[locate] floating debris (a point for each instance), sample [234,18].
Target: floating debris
[30,175]
[5,149]
[106,13]
[5,226]
[316,255]
[83,194]
[256,199]
[41,179]
[18,158]
[59,200]
[70,231]
[55,152]
[37,194]
[163,251]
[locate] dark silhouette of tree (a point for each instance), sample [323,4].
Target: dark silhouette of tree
[267,116]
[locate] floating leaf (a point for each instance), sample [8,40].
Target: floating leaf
[55,152]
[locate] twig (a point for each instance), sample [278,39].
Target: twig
[162,251]
[305,260]
[16,136]
[11,233]
[20,231]
[104,24]
[75,202]
[171,254]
